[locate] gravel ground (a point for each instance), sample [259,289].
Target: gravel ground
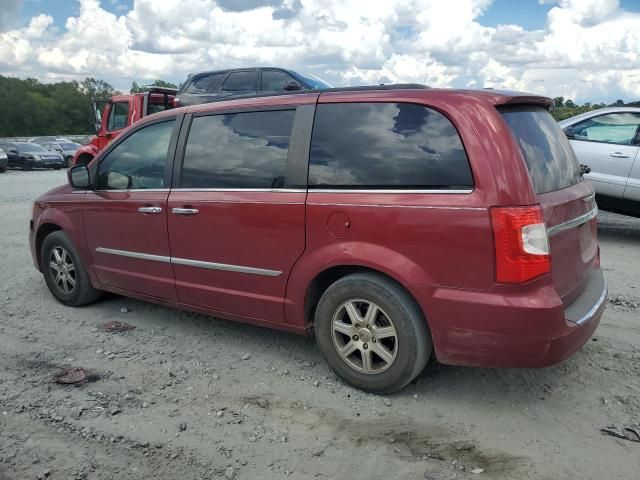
[185,396]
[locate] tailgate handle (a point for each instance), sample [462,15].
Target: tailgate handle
[618,155]
[184,211]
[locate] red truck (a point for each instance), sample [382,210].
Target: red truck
[119,112]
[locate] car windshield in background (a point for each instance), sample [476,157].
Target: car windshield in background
[549,157]
[313,81]
[69,146]
[29,147]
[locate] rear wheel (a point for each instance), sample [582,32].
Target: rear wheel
[64,272]
[372,333]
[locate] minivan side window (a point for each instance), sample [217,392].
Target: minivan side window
[620,128]
[241,81]
[139,161]
[118,116]
[238,150]
[386,146]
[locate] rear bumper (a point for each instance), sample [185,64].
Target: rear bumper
[502,329]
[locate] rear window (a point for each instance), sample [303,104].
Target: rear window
[549,157]
[205,83]
[386,146]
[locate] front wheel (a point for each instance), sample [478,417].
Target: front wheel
[372,333]
[64,272]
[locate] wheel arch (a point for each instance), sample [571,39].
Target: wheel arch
[44,230]
[84,155]
[329,276]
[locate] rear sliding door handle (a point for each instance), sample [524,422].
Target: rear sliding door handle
[184,211]
[150,210]
[618,155]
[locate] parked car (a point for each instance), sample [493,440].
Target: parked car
[119,112]
[48,138]
[608,140]
[216,85]
[3,161]
[28,156]
[394,223]
[66,149]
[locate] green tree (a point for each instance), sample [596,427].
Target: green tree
[136,88]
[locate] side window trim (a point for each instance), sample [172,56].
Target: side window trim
[299,145]
[171,152]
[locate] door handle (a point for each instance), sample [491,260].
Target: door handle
[618,155]
[184,211]
[150,210]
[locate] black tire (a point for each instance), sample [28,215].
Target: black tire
[57,168]
[26,166]
[82,292]
[414,344]
[3,169]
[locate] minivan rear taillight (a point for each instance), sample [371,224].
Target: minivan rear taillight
[521,243]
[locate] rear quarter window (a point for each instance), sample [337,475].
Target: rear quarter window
[386,146]
[549,157]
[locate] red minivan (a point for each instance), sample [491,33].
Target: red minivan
[396,223]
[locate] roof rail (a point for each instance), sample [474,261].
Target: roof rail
[363,88]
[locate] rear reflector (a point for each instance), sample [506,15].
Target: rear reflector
[521,243]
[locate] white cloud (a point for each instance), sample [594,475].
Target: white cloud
[588,49]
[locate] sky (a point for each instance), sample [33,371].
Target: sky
[586,50]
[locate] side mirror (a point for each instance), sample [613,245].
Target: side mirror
[292,87]
[79,177]
[568,131]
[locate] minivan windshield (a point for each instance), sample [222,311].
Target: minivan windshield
[549,157]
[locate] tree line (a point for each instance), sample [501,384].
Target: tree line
[30,107]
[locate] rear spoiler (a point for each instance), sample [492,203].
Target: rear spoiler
[166,90]
[519,99]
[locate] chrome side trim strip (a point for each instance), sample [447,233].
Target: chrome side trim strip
[269,190]
[397,191]
[141,256]
[225,267]
[574,222]
[603,297]
[126,190]
[191,263]
[321,204]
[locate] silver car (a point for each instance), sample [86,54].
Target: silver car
[608,141]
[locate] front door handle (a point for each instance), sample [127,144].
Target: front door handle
[184,211]
[618,155]
[150,210]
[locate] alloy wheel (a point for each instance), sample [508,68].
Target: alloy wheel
[364,336]
[63,271]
